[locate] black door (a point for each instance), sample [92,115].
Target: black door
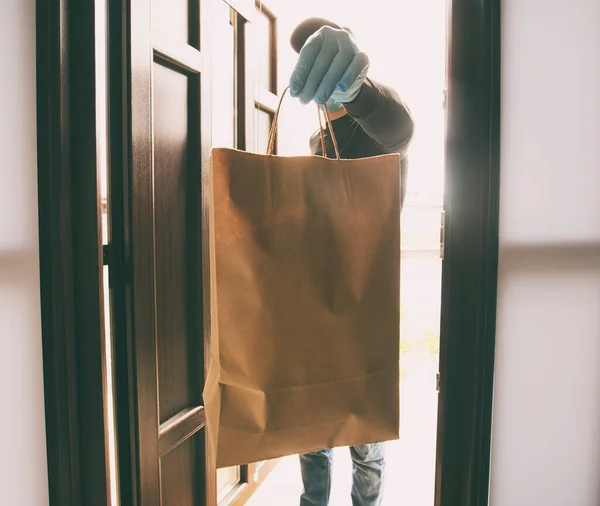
[161,122]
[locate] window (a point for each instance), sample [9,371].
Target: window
[265,31]
[243,103]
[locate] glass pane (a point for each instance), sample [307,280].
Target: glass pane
[263,129]
[227,480]
[223,90]
[264,47]
[172,17]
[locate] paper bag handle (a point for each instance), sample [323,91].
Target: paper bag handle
[273,132]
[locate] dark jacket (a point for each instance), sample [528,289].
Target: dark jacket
[377,123]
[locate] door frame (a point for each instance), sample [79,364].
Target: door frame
[71,260]
[470,265]
[70,257]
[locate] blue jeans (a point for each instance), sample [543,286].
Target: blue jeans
[367,476]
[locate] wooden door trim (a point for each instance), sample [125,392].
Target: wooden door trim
[140,317]
[470,267]
[182,55]
[120,212]
[254,476]
[243,7]
[210,471]
[70,253]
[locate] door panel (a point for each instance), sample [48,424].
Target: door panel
[180,485]
[173,117]
[263,129]
[264,35]
[224,74]
[177,20]
[166,335]
[263,29]
[178,329]
[266,47]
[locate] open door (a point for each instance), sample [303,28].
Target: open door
[184,79]
[160,141]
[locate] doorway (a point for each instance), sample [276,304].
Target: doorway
[420,79]
[163,112]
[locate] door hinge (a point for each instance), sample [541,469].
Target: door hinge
[442,233]
[437,382]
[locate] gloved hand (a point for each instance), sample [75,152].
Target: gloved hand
[330,69]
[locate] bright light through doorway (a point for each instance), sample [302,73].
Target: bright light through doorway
[406,42]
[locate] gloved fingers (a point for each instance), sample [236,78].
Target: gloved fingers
[308,54]
[356,69]
[334,74]
[318,71]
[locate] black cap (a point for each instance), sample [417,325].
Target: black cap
[309,26]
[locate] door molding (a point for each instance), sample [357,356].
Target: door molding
[469,279]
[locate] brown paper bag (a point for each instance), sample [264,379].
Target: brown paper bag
[305,304]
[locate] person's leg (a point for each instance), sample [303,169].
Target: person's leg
[316,477]
[367,474]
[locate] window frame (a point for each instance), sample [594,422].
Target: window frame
[249,99]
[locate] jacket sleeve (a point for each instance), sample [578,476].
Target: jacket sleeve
[383,116]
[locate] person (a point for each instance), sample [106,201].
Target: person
[368,119]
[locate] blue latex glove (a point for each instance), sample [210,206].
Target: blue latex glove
[330,69]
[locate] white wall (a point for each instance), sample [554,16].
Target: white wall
[546,438]
[23,475]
